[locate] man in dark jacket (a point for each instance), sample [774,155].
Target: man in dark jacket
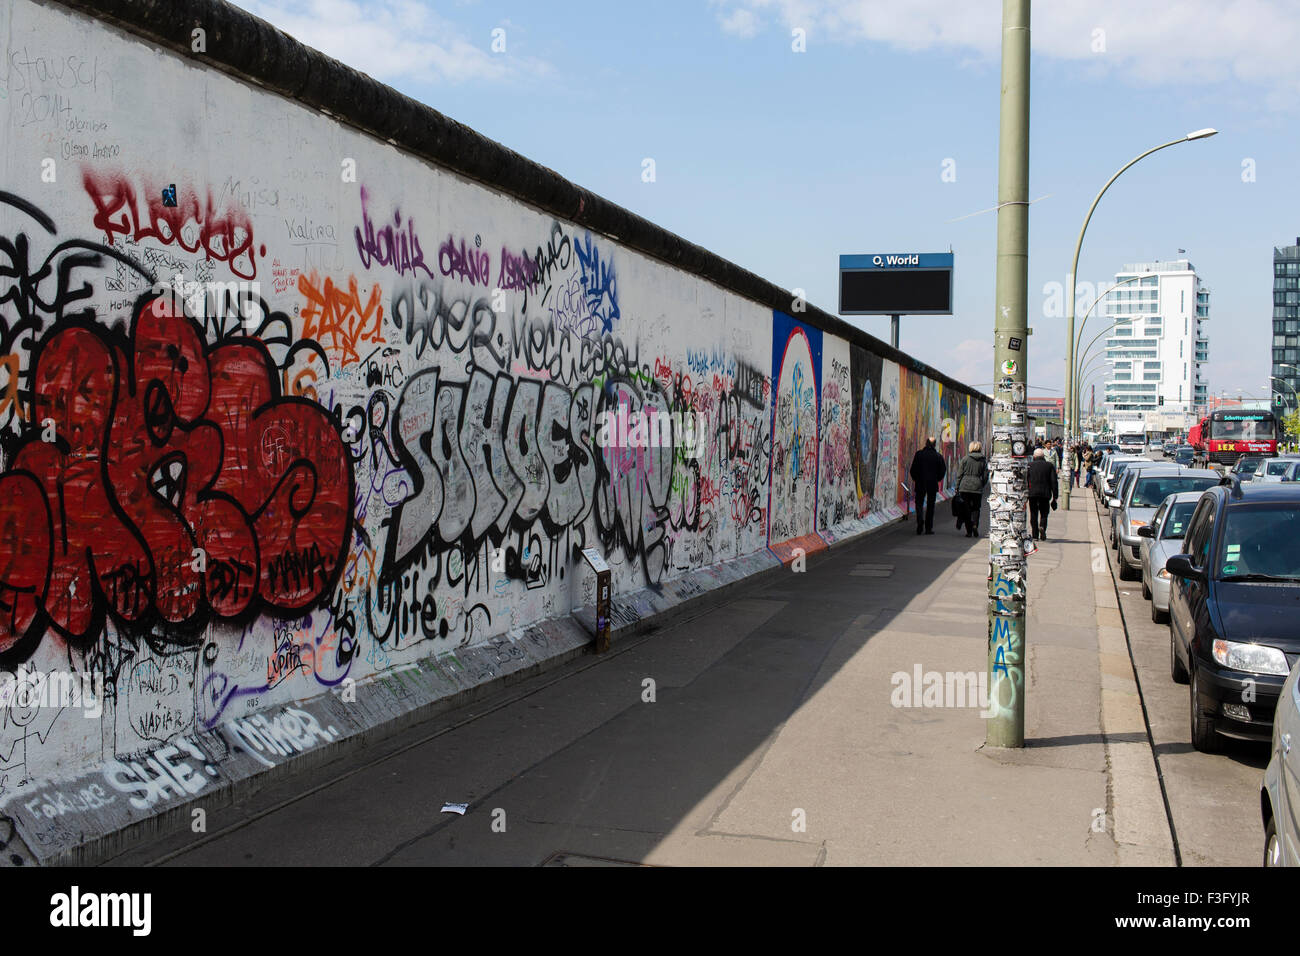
[928,469]
[1042,490]
[972,476]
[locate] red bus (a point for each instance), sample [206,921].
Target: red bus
[1227,433]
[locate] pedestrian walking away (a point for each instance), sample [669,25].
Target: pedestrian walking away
[972,476]
[928,469]
[1043,494]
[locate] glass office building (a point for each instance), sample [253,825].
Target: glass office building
[1286,326]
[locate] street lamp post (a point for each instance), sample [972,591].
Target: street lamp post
[1083,363]
[1074,268]
[1083,325]
[1293,368]
[1294,395]
[1293,392]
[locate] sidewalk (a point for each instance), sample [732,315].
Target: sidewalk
[769,711]
[904,786]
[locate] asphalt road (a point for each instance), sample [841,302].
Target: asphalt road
[1213,799]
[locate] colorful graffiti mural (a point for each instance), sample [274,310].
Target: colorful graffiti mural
[264,430]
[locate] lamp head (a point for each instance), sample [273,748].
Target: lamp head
[1202,133]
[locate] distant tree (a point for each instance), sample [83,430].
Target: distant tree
[1291,426]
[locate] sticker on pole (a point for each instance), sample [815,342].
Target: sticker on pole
[1009,367]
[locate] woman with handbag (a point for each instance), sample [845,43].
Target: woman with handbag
[972,476]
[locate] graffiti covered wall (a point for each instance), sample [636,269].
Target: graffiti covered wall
[283,407]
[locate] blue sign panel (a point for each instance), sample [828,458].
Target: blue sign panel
[896,283]
[898,260]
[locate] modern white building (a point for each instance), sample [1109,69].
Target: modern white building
[1157,347]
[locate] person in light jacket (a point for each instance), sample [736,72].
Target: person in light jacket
[972,476]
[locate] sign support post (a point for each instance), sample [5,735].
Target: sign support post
[896,284]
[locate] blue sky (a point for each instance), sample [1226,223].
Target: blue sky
[782,160]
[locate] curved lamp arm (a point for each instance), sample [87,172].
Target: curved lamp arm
[1074,265]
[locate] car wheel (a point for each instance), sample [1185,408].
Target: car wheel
[1146,589]
[1160,617]
[1125,572]
[1272,845]
[1176,669]
[1204,737]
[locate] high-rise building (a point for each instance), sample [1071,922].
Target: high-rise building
[1157,346]
[1046,407]
[1286,325]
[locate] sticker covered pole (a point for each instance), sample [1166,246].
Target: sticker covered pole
[1008,538]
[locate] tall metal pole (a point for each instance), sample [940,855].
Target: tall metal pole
[1008,570]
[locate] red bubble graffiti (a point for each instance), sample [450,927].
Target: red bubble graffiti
[225,235]
[179,485]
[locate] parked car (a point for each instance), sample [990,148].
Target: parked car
[1103,469]
[1115,503]
[1279,796]
[1234,602]
[1161,540]
[1143,495]
[1112,468]
[1244,467]
[1272,470]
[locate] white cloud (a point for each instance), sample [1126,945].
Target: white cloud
[393,40]
[1194,42]
[740,22]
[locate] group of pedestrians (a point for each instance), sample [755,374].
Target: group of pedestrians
[971,478]
[928,471]
[1083,459]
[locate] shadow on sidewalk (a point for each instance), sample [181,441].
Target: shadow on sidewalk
[578,761]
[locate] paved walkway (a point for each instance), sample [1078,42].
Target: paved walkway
[772,738]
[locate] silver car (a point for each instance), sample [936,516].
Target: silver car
[1280,792]
[1116,502]
[1273,469]
[1161,540]
[1141,499]
[1110,472]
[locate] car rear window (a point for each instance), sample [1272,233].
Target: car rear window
[1277,467]
[1149,492]
[1174,525]
[1261,542]
[1249,466]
